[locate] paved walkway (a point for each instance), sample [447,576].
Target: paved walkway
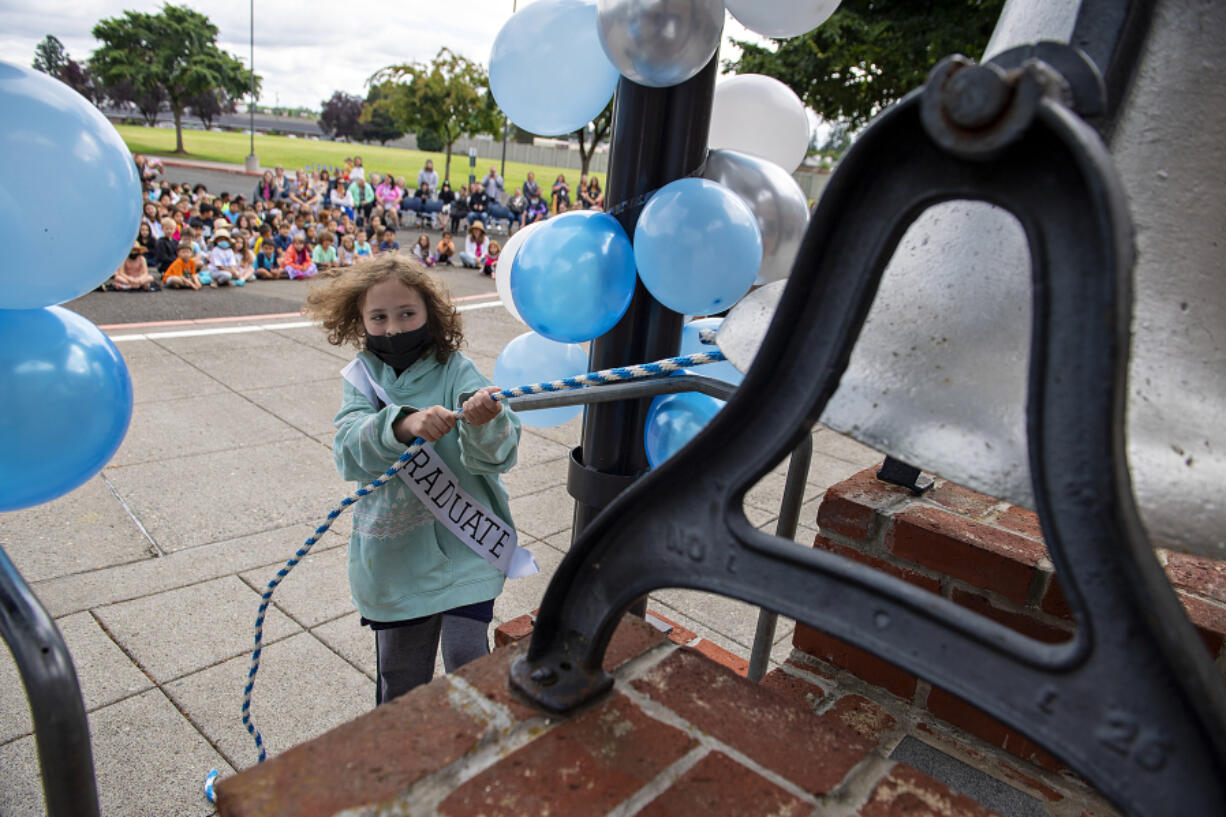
[153,569]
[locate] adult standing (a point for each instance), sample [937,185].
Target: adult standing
[531,188]
[493,187]
[428,177]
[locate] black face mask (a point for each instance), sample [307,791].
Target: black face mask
[400,351]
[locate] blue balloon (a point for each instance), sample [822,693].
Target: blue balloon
[70,198]
[530,359]
[691,345]
[65,403]
[573,278]
[673,420]
[698,246]
[548,71]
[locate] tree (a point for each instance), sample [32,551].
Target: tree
[174,51]
[870,52]
[52,58]
[340,116]
[149,103]
[450,97]
[598,130]
[210,105]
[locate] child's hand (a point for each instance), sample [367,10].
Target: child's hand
[430,424]
[481,407]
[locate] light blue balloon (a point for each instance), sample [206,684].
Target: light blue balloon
[530,359]
[698,246]
[548,71]
[65,403]
[573,278]
[70,197]
[691,345]
[673,420]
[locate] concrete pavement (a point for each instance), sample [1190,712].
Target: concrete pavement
[153,569]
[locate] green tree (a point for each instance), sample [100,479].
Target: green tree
[174,52]
[871,52]
[450,97]
[592,134]
[52,58]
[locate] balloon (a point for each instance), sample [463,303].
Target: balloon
[757,114]
[782,18]
[698,246]
[673,420]
[65,403]
[70,196]
[776,200]
[530,359]
[505,261]
[573,279]
[659,43]
[548,72]
[691,345]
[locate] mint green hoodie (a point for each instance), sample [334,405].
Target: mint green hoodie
[404,564]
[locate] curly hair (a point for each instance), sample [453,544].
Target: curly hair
[336,302]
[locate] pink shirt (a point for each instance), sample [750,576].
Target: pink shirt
[388,193]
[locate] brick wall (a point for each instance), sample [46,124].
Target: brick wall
[679,734]
[985,555]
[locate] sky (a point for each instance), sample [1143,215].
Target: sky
[304,49]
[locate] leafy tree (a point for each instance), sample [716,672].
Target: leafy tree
[429,141]
[52,58]
[340,116]
[380,125]
[174,51]
[150,103]
[871,52]
[210,105]
[592,134]
[450,96]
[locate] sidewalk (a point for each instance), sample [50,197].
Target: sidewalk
[153,569]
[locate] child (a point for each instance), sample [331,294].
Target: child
[167,247]
[445,249]
[246,259]
[410,576]
[347,253]
[388,242]
[283,239]
[489,266]
[324,255]
[133,274]
[223,263]
[266,262]
[361,246]
[297,261]
[182,273]
[421,250]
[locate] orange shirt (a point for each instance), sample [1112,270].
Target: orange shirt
[181,267]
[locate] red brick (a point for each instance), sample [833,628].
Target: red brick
[1054,601]
[1205,577]
[1018,622]
[850,507]
[1021,520]
[585,766]
[1209,620]
[958,712]
[905,792]
[678,635]
[918,579]
[723,657]
[1027,749]
[632,638]
[987,557]
[383,751]
[961,499]
[778,733]
[513,630]
[1034,786]
[720,787]
[864,665]
[489,676]
[789,686]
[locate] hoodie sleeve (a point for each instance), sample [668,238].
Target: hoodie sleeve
[364,445]
[492,448]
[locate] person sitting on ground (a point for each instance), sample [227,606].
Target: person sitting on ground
[144,237]
[361,244]
[475,246]
[444,251]
[490,264]
[223,263]
[478,204]
[283,238]
[182,273]
[266,262]
[347,252]
[324,254]
[297,261]
[246,259]
[374,230]
[167,247]
[421,250]
[388,242]
[536,211]
[133,274]
[150,216]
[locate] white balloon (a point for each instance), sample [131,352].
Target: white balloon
[502,279]
[782,18]
[659,43]
[760,115]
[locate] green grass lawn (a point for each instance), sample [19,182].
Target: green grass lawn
[297,153]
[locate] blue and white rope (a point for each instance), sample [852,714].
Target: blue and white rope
[659,368]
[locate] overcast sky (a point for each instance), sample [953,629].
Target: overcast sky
[304,49]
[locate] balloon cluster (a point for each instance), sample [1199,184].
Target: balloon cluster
[65,393]
[700,243]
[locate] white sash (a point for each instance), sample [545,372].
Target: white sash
[436,486]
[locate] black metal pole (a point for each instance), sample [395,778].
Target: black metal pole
[659,135]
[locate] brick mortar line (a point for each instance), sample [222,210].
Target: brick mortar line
[659,784]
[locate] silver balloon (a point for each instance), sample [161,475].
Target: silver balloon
[776,200]
[659,43]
